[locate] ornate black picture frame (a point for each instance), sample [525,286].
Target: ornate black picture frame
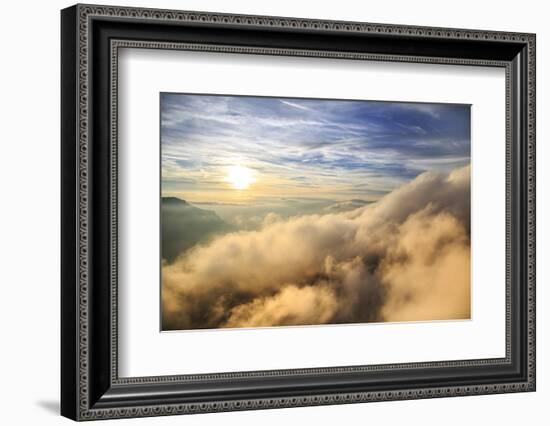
[90,38]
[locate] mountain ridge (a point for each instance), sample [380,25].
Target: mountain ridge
[185,225]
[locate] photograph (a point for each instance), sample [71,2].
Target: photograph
[274,208]
[285,211]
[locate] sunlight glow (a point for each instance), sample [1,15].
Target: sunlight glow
[240,177]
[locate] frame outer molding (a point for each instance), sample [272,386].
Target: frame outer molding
[76,402]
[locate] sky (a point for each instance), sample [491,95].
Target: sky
[244,150]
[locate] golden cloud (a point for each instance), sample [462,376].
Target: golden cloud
[403,258]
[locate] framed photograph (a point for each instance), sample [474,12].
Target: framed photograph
[263,212]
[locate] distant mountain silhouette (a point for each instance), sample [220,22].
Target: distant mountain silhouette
[174,201]
[184,225]
[344,206]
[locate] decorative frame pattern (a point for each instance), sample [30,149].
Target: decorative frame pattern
[118,44]
[86,405]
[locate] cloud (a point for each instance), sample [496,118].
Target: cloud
[292,305]
[427,270]
[403,258]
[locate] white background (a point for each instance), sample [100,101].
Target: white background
[29,229]
[146,352]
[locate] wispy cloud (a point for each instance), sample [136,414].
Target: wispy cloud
[295,105]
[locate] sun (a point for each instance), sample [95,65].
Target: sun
[240,177]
